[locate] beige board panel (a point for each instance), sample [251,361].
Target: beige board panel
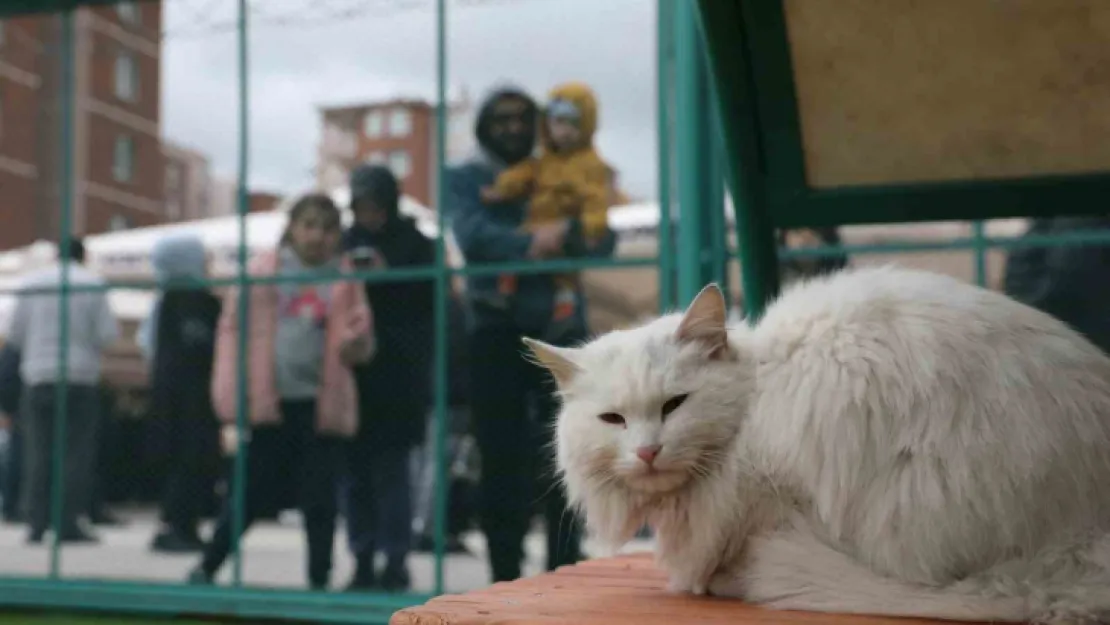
[902,91]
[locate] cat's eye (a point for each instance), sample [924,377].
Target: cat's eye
[673,403]
[611,418]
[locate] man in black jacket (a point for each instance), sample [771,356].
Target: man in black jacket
[11,390]
[1065,281]
[394,388]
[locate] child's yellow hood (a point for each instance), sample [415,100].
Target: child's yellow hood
[584,100]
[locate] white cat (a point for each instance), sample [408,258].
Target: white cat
[884,441]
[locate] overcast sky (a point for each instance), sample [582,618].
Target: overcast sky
[386,48]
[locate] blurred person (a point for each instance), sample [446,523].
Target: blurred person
[35,332]
[11,389]
[803,238]
[183,328]
[617,196]
[567,181]
[394,389]
[98,512]
[1063,281]
[462,458]
[303,340]
[510,397]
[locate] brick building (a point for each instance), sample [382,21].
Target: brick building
[188,183]
[399,133]
[117,161]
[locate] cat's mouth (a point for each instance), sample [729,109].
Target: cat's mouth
[656,481]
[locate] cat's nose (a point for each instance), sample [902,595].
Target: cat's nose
[647,453]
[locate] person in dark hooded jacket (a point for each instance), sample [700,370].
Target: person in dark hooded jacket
[395,387]
[512,400]
[11,391]
[1064,281]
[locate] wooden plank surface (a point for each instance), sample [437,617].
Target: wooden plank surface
[626,590]
[905,91]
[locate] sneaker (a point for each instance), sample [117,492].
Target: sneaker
[361,583]
[176,542]
[104,518]
[395,577]
[77,535]
[364,579]
[426,543]
[74,535]
[199,577]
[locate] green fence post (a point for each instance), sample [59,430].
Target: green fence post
[441,285]
[664,85]
[65,235]
[980,252]
[693,147]
[242,429]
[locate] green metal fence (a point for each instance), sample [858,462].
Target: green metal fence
[56,590]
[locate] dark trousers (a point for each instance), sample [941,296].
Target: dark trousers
[460,475]
[512,408]
[78,462]
[292,448]
[193,461]
[13,473]
[378,501]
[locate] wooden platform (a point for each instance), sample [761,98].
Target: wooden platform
[627,590]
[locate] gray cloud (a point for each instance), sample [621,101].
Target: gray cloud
[534,43]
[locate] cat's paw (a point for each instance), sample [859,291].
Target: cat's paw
[683,586]
[725,584]
[678,587]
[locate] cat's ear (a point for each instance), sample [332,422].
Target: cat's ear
[706,322]
[558,360]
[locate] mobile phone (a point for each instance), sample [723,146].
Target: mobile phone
[362,257]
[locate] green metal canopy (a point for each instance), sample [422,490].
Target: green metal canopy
[883,111]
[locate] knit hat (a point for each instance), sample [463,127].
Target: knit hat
[378,184]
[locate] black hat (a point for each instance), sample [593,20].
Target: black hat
[377,183]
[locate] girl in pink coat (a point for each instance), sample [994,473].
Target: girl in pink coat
[303,339]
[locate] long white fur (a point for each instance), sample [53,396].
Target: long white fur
[884,441]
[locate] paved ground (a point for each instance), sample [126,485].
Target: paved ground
[274,557]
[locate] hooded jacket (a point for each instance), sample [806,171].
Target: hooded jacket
[11,386]
[180,257]
[567,183]
[394,388]
[493,234]
[1064,281]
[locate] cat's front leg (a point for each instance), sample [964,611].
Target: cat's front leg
[687,584]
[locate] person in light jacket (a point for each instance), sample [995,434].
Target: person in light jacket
[36,332]
[303,339]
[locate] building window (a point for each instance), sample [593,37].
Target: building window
[400,164]
[123,159]
[377,158]
[127,77]
[372,125]
[173,192]
[400,122]
[128,12]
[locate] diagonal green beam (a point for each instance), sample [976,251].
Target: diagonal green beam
[730,67]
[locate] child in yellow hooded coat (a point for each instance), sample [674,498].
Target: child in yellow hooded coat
[568,180]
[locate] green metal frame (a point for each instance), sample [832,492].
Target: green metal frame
[747,41]
[10,8]
[57,592]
